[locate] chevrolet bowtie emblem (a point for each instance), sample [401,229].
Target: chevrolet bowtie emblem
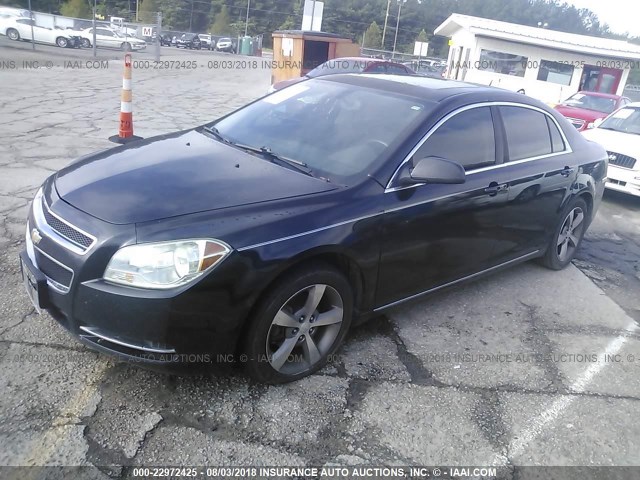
[35,236]
[613,158]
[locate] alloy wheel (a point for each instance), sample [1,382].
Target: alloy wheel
[13,34]
[570,234]
[305,329]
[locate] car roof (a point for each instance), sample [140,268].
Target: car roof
[363,59]
[434,89]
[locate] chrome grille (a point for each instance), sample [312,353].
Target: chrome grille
[620,160]
[65,230]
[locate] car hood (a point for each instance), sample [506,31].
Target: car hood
[174,175]
[580,113]
[619,142]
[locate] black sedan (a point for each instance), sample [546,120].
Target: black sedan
[264,235]
[189,40]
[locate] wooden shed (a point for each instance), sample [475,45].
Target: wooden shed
[296,52]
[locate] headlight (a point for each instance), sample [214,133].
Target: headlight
[166,264]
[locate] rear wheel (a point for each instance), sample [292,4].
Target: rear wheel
[62,42]
[567,236]
[86,43]
[13,34]
[298,325]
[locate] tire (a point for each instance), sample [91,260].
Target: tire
[294,348]
[125,47]
[62,42]
[13,34]
[563,247]
[85,43]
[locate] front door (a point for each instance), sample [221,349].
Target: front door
[435,234]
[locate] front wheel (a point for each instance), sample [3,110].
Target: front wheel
[125,47]
[13,34]
[298,325]
[567,236]
[62,42]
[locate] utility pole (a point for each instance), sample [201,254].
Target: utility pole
[386,19]
[313,13]
[93,43]
[395,40]
[33,39]
[246,20]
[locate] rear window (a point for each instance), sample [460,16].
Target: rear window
[527,132]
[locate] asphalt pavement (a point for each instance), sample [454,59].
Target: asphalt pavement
[527,367]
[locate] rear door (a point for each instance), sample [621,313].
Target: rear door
[538,173]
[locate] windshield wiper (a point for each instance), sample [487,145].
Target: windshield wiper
[274,157]
[214,131]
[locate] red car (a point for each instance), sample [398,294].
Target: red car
[348,65]
[584,108]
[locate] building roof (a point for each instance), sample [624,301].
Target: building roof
[542,37]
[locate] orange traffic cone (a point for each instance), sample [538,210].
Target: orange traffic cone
[125,133]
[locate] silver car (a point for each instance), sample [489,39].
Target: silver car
[108,38]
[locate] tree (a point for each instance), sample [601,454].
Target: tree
[372,37]
[76,9]
[148,11]
[222,23]
[422,37]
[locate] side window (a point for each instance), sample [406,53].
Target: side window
[527,132]
[396,70]
[467,138]
[557,143]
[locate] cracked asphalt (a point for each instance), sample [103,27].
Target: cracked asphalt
[525,367]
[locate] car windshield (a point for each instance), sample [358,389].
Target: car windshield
[625,120]
[340,132]
[591,102]
[338,66]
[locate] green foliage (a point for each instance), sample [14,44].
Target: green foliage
[349,18]
[147,12]
[422,37]
[222,23]
[373,36]
[76,9]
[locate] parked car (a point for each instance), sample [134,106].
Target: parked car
[165,39]
[225,45]
[348,65]
[583,108]
[205,40]
[18,28]
[107,38]
[619,134]
[270,231]
[189,40]
[427,68]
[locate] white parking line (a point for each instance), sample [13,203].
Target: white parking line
[536,425]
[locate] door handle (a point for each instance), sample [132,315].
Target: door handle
[493,189]
[566,172]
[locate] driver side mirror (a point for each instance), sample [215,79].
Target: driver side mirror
[434,170]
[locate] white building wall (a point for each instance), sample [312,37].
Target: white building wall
[548,92]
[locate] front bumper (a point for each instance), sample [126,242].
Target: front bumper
[199,323]
[623,180]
